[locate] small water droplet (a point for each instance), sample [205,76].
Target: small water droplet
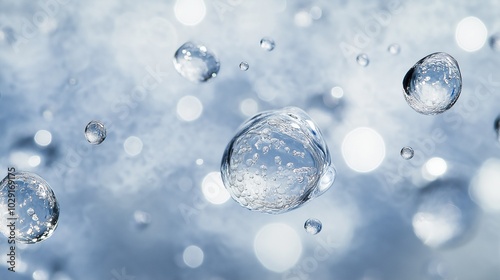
[244,66]
[195,62]
[407,152]
[313,226]
[394,49]
[363,60]
[267,44]
[497,128]
[433,84]
[95,132]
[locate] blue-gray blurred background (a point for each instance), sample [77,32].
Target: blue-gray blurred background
[148,203]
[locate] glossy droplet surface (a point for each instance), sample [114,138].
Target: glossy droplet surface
[277,161]
[363,60]
[407,152]
[95,132]
[195,62]
[244,66]
[36,207]
[267,44]
[313,226]
[433,84]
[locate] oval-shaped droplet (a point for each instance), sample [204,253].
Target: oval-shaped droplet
[195,62]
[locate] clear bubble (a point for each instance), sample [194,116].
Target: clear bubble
[95,132]
[394,49]
[495,42]
[244,66]
[407,152]
[497,128]
[267,44]
[433,84]
[277,161]
[35,207]
[363,60]
[195,62]
[313,226]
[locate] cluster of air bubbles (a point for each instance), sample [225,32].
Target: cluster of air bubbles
[244,66]
[277,161]
[267,44]
[313,226]
[195,62]
[433,84]
[95,132]
[35,211]
[495,42]
[394,49]
[407,153]
[363,60]
[497,128]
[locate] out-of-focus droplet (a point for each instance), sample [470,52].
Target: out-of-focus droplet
[95,132]
[255,165]
[407,153]
[195,62]
[39,221]
[394,49]
[244,66]
[433,84]
[497,128]
[363,60]
[495,42]
[72,81]
[267,44]
[313,226]
[142,219]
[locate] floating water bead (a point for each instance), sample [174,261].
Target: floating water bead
[407,152]
[244,66]
[36,207]
[394,49]
[313,226]
[95,132]
[433,84]
[277,161]
[363,60]
[195,62]
[267,44]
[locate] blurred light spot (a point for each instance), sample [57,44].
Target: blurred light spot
[471,34]
[142,219]
[332,98]
[40,275]
[190,12]
[316,12]
[133,145]
[199,161]
[439,226]
[485,187]
[337,92]
[277,246]
[43,138]
[303,19]
[34,161]
[2,35]
[363,149]
[189,108]
[20,159]
[434,168]
[193,256]
[249,107]
[213,188]
[47,115]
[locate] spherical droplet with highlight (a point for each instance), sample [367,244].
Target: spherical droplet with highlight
[95,132]
[244,66]
[35,207]
[407,152]
[313,226]
[363,60]
[277,161]
[195,62]
[433,84]
[267,44]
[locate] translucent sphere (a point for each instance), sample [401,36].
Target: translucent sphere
[244,66]
[433,84]
[95,132]
[313,226]
[267,44]
[394,49]
[277,161]
[195,62]
[35,207]
[407,152]
[495,42]
[363,60]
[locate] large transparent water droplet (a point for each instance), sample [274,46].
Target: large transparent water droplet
[277,161]
[195,62]
[95,132]
[35,207]
[313,226]
[433,84]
